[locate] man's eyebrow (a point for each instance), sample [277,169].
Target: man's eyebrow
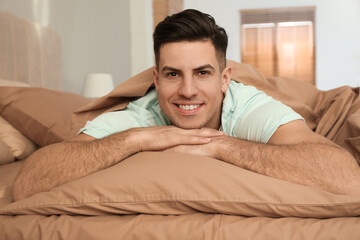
[204,67]
[171,69]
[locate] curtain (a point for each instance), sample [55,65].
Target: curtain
[280,42]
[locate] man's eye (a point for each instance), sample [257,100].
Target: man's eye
[201,73]
[172,74]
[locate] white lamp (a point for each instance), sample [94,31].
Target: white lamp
[97,85]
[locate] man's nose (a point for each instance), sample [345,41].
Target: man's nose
[188,87]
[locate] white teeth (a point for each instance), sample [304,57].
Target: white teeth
[189,107]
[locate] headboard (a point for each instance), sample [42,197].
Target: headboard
[29,53]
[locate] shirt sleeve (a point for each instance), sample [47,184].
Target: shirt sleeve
[143,112]
[261,118]
[260,122]
[250,114]
[110,123]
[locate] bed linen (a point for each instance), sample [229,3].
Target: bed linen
[190,227]
[151,197]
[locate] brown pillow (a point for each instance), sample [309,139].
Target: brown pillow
[42,115]
[5,154]
[20,147]
[173,183]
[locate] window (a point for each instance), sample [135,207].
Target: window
[280,42]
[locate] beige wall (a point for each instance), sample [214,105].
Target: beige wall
[95,38]
[141,29]
[95,35]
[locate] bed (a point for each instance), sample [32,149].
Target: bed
[155,195]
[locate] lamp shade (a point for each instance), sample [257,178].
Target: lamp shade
[97,85]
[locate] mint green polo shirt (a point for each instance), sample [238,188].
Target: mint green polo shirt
[247,113]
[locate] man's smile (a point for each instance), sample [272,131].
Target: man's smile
[189,108]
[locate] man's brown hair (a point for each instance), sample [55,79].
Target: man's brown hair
[191,25]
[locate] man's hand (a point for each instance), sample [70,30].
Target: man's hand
[210,149]
[162,138]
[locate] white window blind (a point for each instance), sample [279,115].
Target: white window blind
[280,42]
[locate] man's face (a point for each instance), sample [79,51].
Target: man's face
[190,85]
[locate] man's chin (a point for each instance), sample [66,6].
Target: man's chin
[188,126]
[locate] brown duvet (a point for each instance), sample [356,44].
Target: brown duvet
[155,195]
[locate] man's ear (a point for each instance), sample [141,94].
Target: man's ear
[225,78]
[156,77]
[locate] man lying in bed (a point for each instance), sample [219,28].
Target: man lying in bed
[195,108]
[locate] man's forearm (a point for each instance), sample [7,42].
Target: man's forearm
[63,162]
[313,164]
